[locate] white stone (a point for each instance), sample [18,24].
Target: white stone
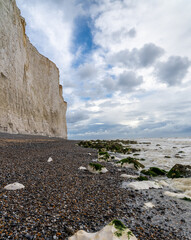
[82,168]
[107,233]
[141,185]
[89,154]
[31,100]
[128,176]
[50,159]
[14,186]
[149,205]
[92,170]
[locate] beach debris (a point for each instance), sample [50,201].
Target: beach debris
[82,168]
[115,230]
[97,168]
[141,185]
[179,171]
[14,186]
[130,162]
[154,171]
[129,176]
[50,159]
[148,205]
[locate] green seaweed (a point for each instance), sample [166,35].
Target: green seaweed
[96,166]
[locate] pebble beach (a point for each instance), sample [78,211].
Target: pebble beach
[58,198]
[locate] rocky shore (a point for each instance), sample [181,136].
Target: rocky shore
[59,199]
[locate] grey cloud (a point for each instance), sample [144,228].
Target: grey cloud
[128,81]
[149,53]
[132,33]
[77,116]
[173,70]
[137,58]
[87,71]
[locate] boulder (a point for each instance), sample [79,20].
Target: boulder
[141,185]
[154,171]
[97,168]
[130,162]
[116,230]
[14,186]
[179,171]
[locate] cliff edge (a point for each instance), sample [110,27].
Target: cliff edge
[31,99]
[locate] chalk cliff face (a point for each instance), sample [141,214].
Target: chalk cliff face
[31,99]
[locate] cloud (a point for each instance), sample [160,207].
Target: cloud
[137,58]
[128,81]
[148,54]
[173,70]
[132,33]
[77,116]
[87,71]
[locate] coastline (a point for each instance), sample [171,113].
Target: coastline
[59,199]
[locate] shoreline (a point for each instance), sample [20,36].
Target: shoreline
[59,199]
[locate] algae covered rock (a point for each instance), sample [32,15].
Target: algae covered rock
[179,171]
[131,163]
[115,230]
[154,171]
[97,168]
[103,156]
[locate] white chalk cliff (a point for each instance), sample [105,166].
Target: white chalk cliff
[31,99]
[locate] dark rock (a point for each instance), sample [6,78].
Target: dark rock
[179,171]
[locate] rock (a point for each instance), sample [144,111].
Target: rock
[179,171]
[82,168]
[50,159]
[130,162]
[97,168]
[113,231]
[154,171]
[149,205]
[14,186]
[128,176]
[31,99]
[141,185]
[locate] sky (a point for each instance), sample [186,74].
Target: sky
[125,65]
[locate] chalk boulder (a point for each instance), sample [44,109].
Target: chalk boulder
[113,231]
[141,185]
[14,186]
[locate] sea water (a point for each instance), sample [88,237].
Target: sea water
[165,153]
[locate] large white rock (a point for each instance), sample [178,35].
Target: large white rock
[141,185]
[31,99]
[14,186]
[109,232]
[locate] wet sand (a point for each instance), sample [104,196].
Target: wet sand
[58,199]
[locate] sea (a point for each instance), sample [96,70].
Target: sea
[165,153]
